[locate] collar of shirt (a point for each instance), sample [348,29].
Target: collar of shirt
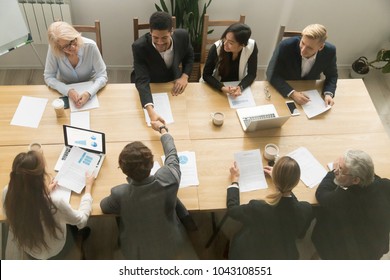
[167,55]
[307,64]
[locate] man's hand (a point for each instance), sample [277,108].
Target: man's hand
[234,172]
[156,125]
[180,85]
[299,97]
[153,114]
[328,100]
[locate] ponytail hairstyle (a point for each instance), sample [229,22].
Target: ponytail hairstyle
[27,204]
[285,175]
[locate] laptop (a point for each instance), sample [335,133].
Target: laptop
[88,140]
[260,117]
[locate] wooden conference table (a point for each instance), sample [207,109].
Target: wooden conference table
[351,123]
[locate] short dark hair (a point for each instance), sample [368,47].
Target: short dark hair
[160,21]
[136,161]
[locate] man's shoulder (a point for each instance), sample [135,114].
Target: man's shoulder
[180,33]
[142,41]
[290,42]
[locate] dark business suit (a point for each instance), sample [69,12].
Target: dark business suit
[149,66]
[149,226]
[268,232]
[286,64]
[352,223]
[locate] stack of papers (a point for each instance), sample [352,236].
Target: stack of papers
[77,164]
[251,170]
[162,107]
[189,171]
[312,172]
[316,105]
[244,100]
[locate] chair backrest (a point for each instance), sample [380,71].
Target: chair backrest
[208,41]
[140,26]
[285,34]
[92,29]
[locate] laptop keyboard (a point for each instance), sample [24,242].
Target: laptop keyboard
[248,120]
[66,153]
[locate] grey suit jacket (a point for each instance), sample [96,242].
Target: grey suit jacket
[149,66]
[149,226]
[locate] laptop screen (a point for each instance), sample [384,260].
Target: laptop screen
[89,140]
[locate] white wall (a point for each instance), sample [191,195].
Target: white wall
[356,27]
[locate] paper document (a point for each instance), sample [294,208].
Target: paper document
[316,105]
[162,107]
[244,100]
[156,166]
[189,171]
[80,88]
[80,119]
[312,172]
[72,173]
[251,170]
[29,112]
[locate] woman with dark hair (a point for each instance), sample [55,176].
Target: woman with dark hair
[269,228]
[38,221]
[232,58]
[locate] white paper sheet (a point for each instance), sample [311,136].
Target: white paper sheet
[189,171]
[244,100]
[72,173]
[80,119]
[91,104]
[251,170]
[29,112]
[162,107]
[316,105]
[156,166]
[312,172]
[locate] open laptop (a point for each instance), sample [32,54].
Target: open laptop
[260,117]
[89,140]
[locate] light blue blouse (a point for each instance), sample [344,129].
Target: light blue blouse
[59,72]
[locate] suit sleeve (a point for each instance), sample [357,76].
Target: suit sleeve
[188,59]
[327,190]
[111,203]
[142,77]
[331,74]
[273,74]
[171,158]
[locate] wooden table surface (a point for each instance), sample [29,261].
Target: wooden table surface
[351,123]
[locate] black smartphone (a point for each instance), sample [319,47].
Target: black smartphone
[293,108]
[66,101]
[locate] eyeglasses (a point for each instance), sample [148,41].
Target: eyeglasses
[69,45]
[337,171]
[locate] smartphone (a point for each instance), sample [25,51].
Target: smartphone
[293,108]
[66,101]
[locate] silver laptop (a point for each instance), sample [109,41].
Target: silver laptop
[89,140]
[260,117]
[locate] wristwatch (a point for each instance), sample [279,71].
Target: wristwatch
[162,127]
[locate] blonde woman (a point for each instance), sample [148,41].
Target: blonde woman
[271,227]
[70,59]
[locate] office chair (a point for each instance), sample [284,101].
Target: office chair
[206,40]
[92,29]
[285,34]
[141,26]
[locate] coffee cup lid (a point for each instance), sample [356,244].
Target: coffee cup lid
[58,103]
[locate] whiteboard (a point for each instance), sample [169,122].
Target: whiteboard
[13,28]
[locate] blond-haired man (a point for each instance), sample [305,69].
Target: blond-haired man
[304,58]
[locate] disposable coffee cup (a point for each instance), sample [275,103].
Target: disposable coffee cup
[217,118]
[35,146]
[271,152]
[58,106]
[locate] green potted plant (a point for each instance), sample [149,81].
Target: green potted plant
[189,15]
[362,66]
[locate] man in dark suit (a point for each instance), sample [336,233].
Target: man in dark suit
[304,58]
[157,56]
[353,217]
